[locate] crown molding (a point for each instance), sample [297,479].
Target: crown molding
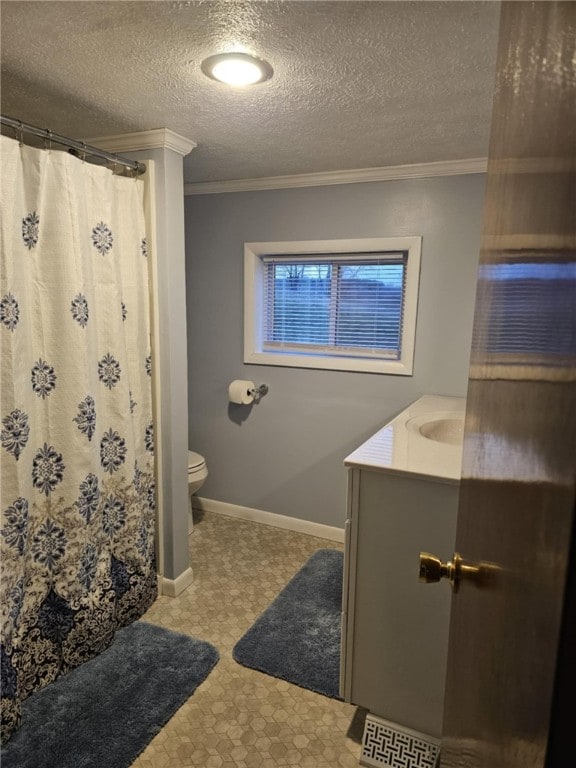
[355,176]
[158,138]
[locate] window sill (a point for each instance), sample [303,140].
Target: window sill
[330,363]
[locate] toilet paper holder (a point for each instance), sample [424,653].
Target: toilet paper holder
[259,392]
[244,392]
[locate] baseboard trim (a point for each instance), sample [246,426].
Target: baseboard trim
[307,527]
[175,587]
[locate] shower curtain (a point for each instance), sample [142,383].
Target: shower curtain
[77,443]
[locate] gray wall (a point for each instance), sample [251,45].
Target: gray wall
[285,454]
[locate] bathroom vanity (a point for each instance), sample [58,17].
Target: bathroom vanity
[402,499]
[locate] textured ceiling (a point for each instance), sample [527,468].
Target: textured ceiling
[355,85]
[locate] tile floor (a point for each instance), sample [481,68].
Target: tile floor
[238,716]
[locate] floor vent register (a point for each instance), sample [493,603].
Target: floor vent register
[389,745]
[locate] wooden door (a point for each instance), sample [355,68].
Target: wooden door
[512,634]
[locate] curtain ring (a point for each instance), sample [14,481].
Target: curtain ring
[21,133]
[83,153]
[48,140]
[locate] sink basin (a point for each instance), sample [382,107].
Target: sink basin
[445,428]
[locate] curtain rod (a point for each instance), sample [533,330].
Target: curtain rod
[80,148]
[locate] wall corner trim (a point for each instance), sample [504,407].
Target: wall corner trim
[175,587]
[319,530]
[158,138]
[354,176]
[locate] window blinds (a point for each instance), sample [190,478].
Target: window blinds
[344,304]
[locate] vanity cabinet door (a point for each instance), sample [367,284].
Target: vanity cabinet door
[396,635]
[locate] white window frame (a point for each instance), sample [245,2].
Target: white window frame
[254,285]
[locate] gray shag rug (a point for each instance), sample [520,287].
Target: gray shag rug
[297,638]
[106,711]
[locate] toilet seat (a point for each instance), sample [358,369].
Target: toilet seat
[195,462]
[197,469]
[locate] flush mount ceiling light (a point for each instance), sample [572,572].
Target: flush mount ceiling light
[236,69]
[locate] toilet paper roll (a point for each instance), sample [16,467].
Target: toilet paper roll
[239,392]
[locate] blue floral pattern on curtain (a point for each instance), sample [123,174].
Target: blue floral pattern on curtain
[77,440]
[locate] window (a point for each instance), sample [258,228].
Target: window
[337,304]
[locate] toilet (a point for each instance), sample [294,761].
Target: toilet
[197,473]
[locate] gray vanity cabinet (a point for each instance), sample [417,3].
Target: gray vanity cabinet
[394,627]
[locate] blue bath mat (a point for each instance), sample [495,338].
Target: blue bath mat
[105,712]
[297,638]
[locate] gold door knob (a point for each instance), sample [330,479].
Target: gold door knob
[432,569]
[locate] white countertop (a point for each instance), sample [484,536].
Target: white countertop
[400,448]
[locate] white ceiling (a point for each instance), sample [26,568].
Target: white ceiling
[356,84]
